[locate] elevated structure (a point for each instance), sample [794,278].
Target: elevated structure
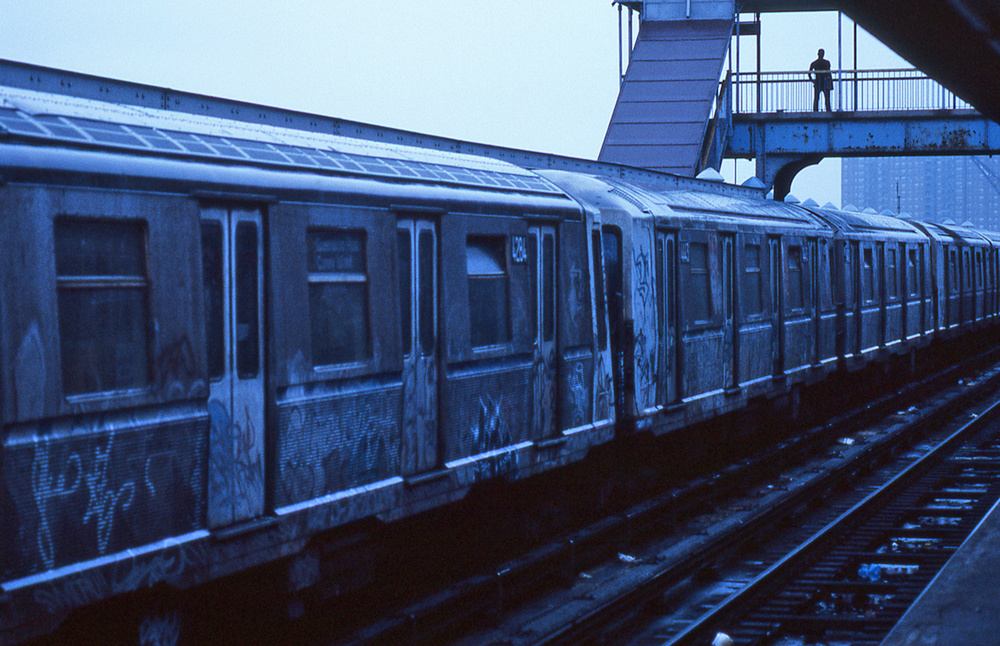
[667,97]
[885,113]
[670,116]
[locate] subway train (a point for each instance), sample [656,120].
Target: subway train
[229,329]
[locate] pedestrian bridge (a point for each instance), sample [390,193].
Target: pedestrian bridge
[673,115]
[769,117]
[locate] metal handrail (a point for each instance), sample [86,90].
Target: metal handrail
[853,90]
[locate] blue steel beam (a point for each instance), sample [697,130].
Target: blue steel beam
[783,144]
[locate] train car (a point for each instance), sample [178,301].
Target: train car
[882,269]
[222,338]
[727,298]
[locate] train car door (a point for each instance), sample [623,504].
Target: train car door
[541,245]
[814,299]
[233,275]
[776,274]
[882,295]
[611,246]
[666,281]
[730,350]
[418,291]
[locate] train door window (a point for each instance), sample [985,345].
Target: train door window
[485,262]
[892,274]
[663,289]
[102,294]
[775,273]
[611,245]
[699,285]
[953,269]
[338,296]
[532,248]
[796,279]
[912,282]
[849,274]
[602,328]
[427,282]
[405,289]
[247,305]
[868,295]
[824,283]
[212,265]
[548,286]
[979,269]
[967,268]
[752,282]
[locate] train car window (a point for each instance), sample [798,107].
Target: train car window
[338,296]
[101,298]
[213,284]
[489,323]
[602,326]
[796,279]
[247,327]
[699,285]
[892,277]
[549,286]
[405,289]
[753,303]
[912,282]
[869,277]
[426,254]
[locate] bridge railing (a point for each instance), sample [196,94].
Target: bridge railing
[853,90]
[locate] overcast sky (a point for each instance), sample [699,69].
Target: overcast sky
[533,75]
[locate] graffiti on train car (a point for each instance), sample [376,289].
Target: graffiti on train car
[604,392]
[644,311]
[491,431]
[29,373]
[579,394]
[236,471]
[331,444]
[177,374]
[126,576]
[102,485]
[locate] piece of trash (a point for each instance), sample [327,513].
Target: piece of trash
[870,572]
[584,575]
[847,441]
[973,415]
[722,639]
[625,558]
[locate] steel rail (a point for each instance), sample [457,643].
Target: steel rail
[741,599]
[583,628]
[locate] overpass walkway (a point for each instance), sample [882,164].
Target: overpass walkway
[769,117]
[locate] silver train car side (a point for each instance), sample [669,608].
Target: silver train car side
[220,337]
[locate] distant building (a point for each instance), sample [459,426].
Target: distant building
[928,188]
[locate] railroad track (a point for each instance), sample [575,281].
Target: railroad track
[853,580]
[638,579]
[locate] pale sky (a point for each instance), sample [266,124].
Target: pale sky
[539,76]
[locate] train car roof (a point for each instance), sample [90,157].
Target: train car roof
[40,118]
[861,222]
[685,206]
[947,233]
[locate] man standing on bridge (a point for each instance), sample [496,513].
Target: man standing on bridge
[822,81]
